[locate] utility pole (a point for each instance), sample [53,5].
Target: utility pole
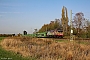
[71,33]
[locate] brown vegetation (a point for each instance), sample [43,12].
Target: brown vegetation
[47,49]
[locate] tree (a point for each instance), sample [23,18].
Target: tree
[79,22]
[51,26]
[88,29]
[35,31]
[64,20]
[44,28]
[57,24]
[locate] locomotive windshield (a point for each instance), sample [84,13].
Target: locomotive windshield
[60,30]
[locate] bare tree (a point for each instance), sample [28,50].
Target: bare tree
[79,21]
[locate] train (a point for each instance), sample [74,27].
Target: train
[47,34]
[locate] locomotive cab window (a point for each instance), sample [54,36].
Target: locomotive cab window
[60,31]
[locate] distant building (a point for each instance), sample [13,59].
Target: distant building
[25,32]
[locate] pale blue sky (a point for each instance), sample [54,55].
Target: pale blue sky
[19,15]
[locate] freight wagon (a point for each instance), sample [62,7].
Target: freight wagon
[48,34]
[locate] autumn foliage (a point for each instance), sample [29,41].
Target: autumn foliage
[51,26]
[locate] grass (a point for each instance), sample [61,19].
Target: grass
[77,41]
[9,55]
[61,40]
[83,42]
[1,38]
[44,49]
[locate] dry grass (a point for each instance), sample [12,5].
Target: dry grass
[47,49]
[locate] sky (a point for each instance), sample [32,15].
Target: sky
[19,15]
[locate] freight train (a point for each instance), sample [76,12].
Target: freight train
[48,34]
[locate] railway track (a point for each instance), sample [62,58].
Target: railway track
[68,38]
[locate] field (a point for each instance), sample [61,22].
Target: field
[45,49]
[10,55]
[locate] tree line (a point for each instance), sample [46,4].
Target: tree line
[51,26]
[81,26]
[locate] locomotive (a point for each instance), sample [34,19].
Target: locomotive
[51,34]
